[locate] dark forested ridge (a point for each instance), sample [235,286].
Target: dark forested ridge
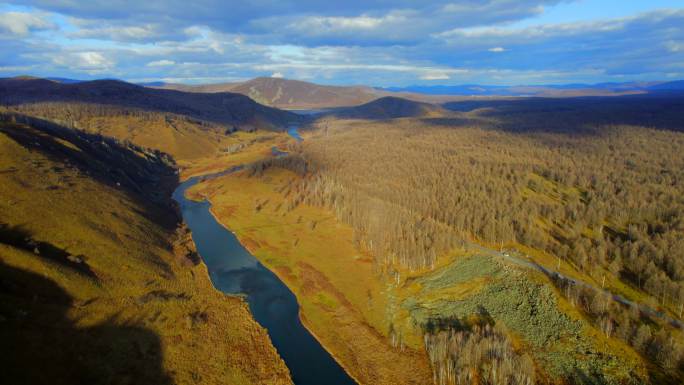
[662,109]
[389,107]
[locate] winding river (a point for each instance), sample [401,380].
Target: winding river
[233,270]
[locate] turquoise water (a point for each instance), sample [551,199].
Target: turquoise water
[292,131]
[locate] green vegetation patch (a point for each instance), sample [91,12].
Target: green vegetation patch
[529,310]
[461,271]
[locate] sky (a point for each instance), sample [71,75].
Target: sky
[373,42]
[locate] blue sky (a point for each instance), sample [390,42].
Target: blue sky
[374,42]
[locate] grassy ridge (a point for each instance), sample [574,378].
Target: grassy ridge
[96,283]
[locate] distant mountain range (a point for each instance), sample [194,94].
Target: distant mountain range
[600,89]
[222,108]
[295,94]
[301,95]
[183,124]
[289,94]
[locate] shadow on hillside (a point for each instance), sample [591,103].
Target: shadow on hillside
[148,177]
[41,345]
[577,115]
[21,238]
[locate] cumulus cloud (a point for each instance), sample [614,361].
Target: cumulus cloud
[434,75]
[340,23]
[375,42]
[333,25]
[88,61]
[277,75]
[675,46]
[21,23]
[309,22]
[161,63]
[105,30]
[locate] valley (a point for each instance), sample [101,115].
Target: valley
[400,309]
[441,192]
[392,242]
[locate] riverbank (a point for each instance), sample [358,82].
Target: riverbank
[323,270]
[233,270]
[301,316]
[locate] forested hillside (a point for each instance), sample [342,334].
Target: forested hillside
[600,202]
[389,107]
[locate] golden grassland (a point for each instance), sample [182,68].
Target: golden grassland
[257,145]
[197,149]
[189,141]
[140,312]
[181,139]
[342,300]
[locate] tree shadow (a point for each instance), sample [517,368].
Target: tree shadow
[41,345]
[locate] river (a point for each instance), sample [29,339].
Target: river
[233,270]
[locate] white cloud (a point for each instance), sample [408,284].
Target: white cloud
[392,43]
[92,59]
[333,25]
[560,30]
[161,63]
[95,29]
[21,23]
[206,37]
[89,61]
[675,46]
[277,75]
[434,75]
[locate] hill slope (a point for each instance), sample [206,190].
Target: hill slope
[292,94]
[224,108]
[390,107]
[97,282]
[182,124]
